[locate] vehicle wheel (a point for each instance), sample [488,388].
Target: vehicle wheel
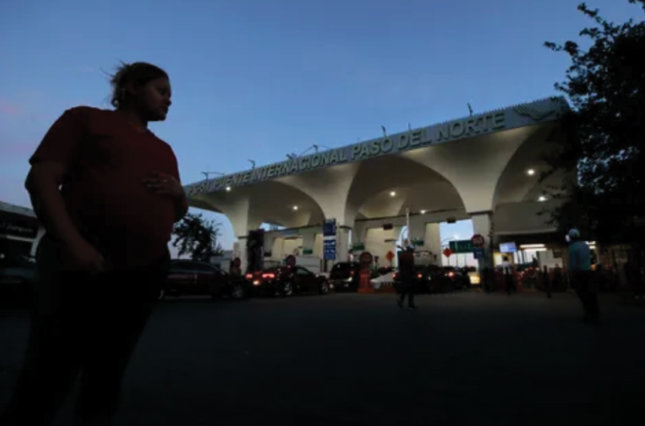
[287,289]
[237,292]
[324,287]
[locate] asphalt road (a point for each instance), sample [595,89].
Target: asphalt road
[351,359]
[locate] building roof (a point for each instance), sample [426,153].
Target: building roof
[12,208]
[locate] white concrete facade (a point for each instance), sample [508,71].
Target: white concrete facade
[473,167]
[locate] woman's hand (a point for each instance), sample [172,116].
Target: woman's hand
[83,256]
[164,184]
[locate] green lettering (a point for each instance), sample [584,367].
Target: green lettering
[387,145]
[444,132]
[499,120]
[375,148]
[356,149]
[457,129]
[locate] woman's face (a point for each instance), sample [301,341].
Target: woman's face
[153,99]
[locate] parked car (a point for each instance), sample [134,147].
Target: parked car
[435,279]
[188,277]
[344,276]
[286,281]
[457,277]
[18,276]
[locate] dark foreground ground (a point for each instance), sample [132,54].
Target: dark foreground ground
[349,359]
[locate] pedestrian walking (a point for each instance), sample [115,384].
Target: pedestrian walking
[547,281]
[407,278]
[108,192]
[580,276]
[509,280]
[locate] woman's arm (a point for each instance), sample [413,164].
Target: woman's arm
[42,183]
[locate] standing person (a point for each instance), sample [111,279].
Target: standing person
[580,276]
[406,271]
[108,192]
[547,281]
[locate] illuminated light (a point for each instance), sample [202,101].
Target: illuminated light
[451,274]
[475,279]
[542,199]
[419,275]
[531,246]
[228,189]
[295,208]
[257,282]
[268,276]
[394,275]
[530,172]
[248,276]
[392,193]
[423,212]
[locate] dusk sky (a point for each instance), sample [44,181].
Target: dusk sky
[260,79]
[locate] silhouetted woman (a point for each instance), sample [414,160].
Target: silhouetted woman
[107,191]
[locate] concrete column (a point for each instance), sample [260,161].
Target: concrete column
[308,240]
[239,214]
[417,228]
[483,225]
[432,240]
[342,243]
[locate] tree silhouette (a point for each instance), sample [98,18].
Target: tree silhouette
[603,147]
[197,237]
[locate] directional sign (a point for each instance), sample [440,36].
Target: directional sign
[329,228]
[329,249]
[479,252]
[461,246]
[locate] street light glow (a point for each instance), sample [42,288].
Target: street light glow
[295,208]
[530,172]
[392,194]
[542,199]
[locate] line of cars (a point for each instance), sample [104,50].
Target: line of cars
[188,277]
[345,276]
[198,278]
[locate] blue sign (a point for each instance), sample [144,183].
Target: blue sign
[479,252]
[329,249]
[329,228]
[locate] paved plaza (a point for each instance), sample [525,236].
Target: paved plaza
[464,358]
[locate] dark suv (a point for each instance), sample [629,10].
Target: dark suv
[344,276]
[286,281]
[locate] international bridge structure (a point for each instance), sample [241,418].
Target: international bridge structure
[484,167]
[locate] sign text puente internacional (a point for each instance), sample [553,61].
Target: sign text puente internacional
[399,142]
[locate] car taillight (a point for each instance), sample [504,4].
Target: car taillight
[268,276]
[394,275]
[248,276]
[419,275]
[451,274]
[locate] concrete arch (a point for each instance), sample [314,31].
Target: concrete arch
[418,187]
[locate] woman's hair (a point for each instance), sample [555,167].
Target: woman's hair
[137,74]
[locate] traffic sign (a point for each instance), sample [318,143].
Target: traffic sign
[461,246]
[447,252]
[389,256]
[478,252]
[329,249]
[478,240]
[329,228]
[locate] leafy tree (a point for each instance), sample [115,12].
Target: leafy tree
[197,237]
[604,131]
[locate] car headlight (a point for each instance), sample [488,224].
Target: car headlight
[349,280]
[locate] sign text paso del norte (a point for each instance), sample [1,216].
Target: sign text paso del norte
[373,148]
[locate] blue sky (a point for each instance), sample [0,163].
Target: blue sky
[259,79]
